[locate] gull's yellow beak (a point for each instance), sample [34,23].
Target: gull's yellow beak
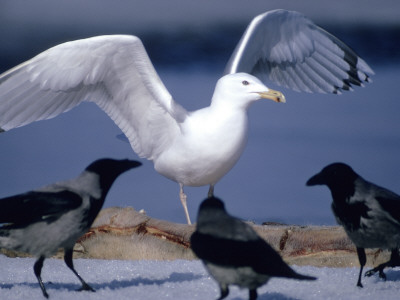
[273,95]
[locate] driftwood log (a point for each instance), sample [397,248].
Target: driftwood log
[123,233]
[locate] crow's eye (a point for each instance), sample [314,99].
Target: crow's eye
[245,82]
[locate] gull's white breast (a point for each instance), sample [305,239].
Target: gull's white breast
[210,143]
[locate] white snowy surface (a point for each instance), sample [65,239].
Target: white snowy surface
[177,280]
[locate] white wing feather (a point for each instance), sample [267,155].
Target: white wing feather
[290,50]
[112,71]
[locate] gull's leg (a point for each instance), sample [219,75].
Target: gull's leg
[183,197]
[211,191]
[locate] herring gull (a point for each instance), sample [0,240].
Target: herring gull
[192,148]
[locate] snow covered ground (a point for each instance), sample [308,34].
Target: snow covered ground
[176,280]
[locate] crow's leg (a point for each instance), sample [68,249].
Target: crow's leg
[253,294]
[37,268]
[69,263]
[362,259]
[394,261]
[224,291]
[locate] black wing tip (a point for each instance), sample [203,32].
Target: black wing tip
[353,80]
[2,130]
[358,73]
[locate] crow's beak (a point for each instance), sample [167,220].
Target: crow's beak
[316,180]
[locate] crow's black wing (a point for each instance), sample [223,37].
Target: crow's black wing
[256,254]
[35,206]
[231,252]
[390,202]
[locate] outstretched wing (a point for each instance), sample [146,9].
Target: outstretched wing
[114,72]
[289,49]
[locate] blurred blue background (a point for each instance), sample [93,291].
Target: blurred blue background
[189,44]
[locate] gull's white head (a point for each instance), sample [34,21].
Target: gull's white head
[243,89]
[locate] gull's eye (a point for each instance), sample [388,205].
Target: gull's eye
[245,82]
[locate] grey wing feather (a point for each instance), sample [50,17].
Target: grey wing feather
[288,49]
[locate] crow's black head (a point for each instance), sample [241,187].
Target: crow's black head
[109,165]
[339,177]
[212,203]
[109,169]
[211,210]
[334,175]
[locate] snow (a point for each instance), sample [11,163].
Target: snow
[179,279]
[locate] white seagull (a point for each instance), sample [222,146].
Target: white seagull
[192,148]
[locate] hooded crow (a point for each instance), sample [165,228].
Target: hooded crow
[42,221]
[369,213]
[233,253]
